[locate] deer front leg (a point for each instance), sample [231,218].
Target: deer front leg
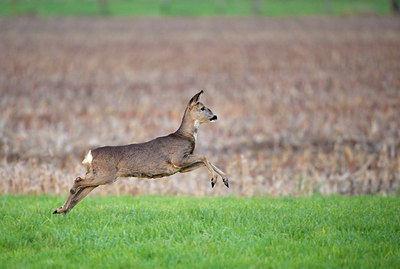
[191,162]
[222,174]
[191,167]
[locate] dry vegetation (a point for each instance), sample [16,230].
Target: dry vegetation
[305,105]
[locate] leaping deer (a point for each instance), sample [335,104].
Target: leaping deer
[160,157]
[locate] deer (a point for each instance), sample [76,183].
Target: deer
[160,157]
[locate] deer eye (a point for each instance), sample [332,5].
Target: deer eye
[202,108]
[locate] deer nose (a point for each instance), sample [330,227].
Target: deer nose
[214,118]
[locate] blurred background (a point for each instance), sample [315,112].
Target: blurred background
[307,93]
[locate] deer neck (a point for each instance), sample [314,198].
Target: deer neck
[188,127]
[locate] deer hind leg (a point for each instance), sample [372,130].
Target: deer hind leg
[72,194]
[80,189]
[80,194]
[77,182]
[93,181]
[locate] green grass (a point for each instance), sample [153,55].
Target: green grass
[193,8]
[180,232]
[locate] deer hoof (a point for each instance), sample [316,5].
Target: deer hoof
[56,211]
[212,183]
[226,183]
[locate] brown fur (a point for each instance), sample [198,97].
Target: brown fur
[160,157]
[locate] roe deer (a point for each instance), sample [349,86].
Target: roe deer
[163,156]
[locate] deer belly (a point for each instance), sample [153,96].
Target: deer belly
[143,174]
[147,172]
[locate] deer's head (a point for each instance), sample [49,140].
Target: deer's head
[199,112]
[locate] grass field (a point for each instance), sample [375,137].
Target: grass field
[181,232]
[194,8]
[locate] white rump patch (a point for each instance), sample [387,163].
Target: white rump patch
[88,159]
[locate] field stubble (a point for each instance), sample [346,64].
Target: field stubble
[305,106]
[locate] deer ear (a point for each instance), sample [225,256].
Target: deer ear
[195,98]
